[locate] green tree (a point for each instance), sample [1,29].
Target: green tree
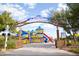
[68,19]
[60,18]
[6,19]
[74,18]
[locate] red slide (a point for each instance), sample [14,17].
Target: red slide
[48,37]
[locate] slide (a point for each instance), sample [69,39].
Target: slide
[46,36]
[46,39]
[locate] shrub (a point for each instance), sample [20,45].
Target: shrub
[2,42]
[75,50]
[11,42]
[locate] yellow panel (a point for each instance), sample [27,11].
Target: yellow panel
[24,41]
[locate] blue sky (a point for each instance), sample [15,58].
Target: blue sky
[23,11]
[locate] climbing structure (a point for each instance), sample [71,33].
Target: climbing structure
[37,36]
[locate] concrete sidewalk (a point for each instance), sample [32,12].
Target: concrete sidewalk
[35,50]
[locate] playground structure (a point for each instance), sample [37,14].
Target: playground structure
[33,36]
[28,21]
[37,36]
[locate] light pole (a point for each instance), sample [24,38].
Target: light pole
[6,34]
[6,37]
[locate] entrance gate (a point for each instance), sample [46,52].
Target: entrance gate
[19,24]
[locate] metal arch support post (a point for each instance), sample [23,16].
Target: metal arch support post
[57,36]
[57,33]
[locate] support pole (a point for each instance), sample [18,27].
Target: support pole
[57,33]
[57,36]
[5,46]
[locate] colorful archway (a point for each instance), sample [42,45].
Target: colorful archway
[19,24]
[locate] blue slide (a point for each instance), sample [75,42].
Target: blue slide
[45,39]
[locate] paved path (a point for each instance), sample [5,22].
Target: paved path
[38,49]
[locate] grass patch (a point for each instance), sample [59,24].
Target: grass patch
[75,50]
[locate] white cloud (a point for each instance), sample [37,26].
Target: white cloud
[31,5]
[16,11]
[46,12]
[62,6]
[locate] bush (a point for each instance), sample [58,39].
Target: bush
[2,42]
[75,50]
[11,42]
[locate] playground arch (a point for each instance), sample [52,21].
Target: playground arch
[37,20]
[20,24]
